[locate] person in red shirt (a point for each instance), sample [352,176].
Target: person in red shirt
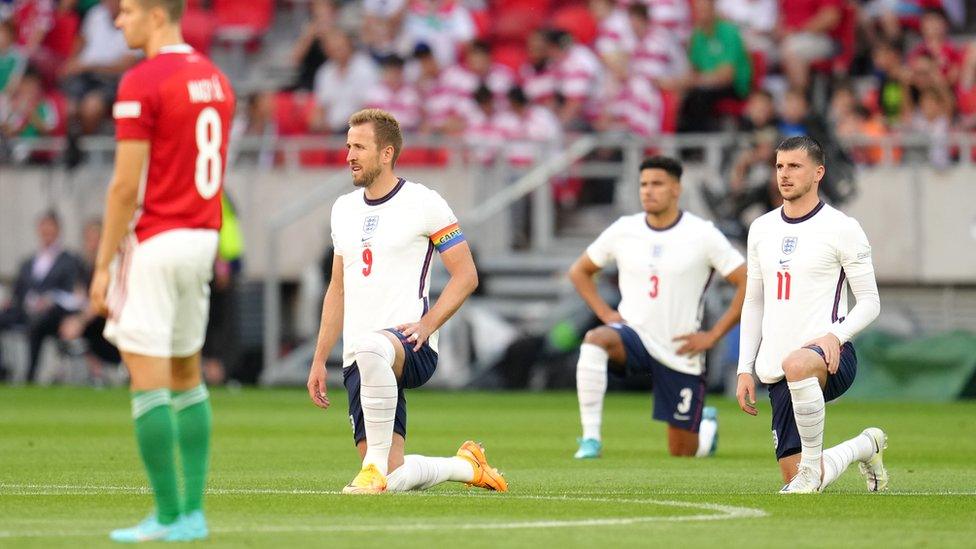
[173,115]
[935,44]
[806,29]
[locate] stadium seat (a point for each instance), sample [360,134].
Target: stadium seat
[576,20]
[199,27]
[511,55]
[251,16]
[671,105]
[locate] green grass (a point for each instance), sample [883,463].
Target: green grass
[69,472]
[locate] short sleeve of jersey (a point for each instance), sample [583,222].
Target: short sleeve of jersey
[854,249]
[721,254]
[440,223]
[601,250]
[133,110]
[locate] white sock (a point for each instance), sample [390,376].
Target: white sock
[378,397]
[808,410]
[707,431]
[836,459]
[591,386]
[421,472]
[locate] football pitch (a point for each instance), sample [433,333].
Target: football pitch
[69,473]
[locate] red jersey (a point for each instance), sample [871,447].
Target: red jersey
[183,105]
[797,13]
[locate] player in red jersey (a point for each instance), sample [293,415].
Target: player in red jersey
[173,116]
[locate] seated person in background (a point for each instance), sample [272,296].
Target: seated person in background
[43,292]
[81,331]
[934,28]
[308,53]
[805,31]
[721,69]
[395,95]
[13,61]
[341,83]
[27,111]
[91,76]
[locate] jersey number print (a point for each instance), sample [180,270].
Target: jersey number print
[783,285]
[209,165]
[654,283]
[368,261]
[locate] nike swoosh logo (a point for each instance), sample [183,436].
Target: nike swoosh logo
[784,262]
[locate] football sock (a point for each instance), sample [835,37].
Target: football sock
[193,420]
[156,437]
[378,397]
[591,386]
[421,472]
[808,410]
[707,431]
[836,459]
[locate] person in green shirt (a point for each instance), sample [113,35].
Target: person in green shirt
[12,59]
[721,68]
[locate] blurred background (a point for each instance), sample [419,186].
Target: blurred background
[531,118]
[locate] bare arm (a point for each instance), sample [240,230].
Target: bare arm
[121,202]
[699,342]
[463,281]
[330,328]
[581,274]
[825,21]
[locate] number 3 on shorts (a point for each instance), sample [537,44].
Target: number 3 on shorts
[685,403]
[209,165]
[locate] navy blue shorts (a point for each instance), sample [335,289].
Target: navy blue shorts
[418,367]
[678,397]
[785,436]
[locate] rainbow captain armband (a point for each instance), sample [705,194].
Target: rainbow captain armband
[447,237]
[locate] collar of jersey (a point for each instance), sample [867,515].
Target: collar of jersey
[803,218]
[387,196]
[677,220]
[176,48]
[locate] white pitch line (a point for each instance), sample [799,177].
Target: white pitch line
[722,512]
[85,489]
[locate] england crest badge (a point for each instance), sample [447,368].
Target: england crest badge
[370,223]
[789,244]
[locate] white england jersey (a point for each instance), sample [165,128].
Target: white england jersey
[387,246]
[663,276]
[802,265]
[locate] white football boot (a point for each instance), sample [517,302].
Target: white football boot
[873,470]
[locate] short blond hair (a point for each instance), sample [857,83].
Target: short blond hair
[174,8]
[385,127]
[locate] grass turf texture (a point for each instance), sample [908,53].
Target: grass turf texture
[69,473]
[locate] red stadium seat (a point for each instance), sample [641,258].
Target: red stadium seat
[292,111]
[512,56]
[198,29]
[576,20]
[253,15]
[669,119]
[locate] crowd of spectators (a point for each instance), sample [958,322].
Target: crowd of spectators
[503,71]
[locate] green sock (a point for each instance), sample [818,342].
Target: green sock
[193,419]
[156,436]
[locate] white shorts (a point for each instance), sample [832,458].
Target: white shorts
[159,296]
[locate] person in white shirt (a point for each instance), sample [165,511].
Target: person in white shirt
[90,77]
[384,234]
[665,258]
[395,95]
[340,83]
[796,328]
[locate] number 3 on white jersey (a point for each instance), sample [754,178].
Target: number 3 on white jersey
[209,165]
